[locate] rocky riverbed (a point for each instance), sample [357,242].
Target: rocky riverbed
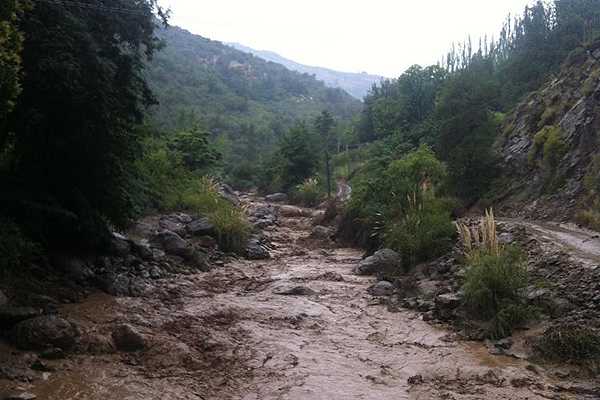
[300,324]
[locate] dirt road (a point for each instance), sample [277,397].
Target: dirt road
[298,326]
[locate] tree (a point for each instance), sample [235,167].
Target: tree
[298,156]
[11,40]
[75,142]
[324,124]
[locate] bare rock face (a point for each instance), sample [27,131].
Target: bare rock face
[45,332]
[380,262]
[127,338]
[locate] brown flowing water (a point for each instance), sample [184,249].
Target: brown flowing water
[226,334]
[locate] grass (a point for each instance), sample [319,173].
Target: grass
[571,343]
[309,193]
[495,279]
[423,232]
[230,222]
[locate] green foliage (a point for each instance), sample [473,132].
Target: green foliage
[11,40]
[194,149]
[16,250]
[572,343]
[74,141]
[202,197]
[493,287]
[394,202]
[549,143]
[309,193]
[423,232]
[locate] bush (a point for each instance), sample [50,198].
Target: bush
[424,232]
[549,142]
[570,343]
[309,194]
[231,225]
[493,288]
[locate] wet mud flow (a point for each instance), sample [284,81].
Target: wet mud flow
[298,326]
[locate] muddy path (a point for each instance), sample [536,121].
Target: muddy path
[581,244]
[298,326]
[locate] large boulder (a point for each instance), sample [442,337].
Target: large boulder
[172,243]
[201,227]
[381,288]
[45,332]
[127,338]
[446,304]
[277,198]
[74,268]
[256,248]
[384,260]
[172,223]
[321,232]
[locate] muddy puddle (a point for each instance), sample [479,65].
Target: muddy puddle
[234,333]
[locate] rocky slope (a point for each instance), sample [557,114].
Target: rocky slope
[550,141]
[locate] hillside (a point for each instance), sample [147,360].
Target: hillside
[228,88]
[549,145]
[357,84]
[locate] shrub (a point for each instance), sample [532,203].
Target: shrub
[230,222]
[589,218]
[495,279]
[423,232]
[549,143]
[493,290]
[309,193]
[570,343]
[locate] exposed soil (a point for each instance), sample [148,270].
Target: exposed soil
[298,326]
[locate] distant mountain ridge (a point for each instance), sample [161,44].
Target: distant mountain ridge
[356,84]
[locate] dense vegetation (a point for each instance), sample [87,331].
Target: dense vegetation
[246,103]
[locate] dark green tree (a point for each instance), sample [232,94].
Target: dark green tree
[75,142]
[324,125]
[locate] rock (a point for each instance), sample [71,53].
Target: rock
[256,249]
[20,396]
[171,243]
[117,285]
[98,344]
[44,332]
[127,338]
[3,299]
[120,245]
[10,316]
[381,288]
[292,290]
[74,268]
[229,194]
[172,223]
[143,249]
[277,198]
[54,353]
[39,365]
[331,276]
[445,304]
[201,227]
[382,261]
[321,232]
[294,212]
[506,238]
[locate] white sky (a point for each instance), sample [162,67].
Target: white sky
[377,36]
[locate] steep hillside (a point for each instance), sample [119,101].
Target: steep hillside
[228,88]
[550,144]
[357,84]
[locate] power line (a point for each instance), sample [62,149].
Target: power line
[88,6]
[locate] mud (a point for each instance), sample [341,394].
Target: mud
[226,334]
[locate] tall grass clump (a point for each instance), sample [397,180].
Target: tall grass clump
[309,193]
[423,232]
[495,279]
[231,225]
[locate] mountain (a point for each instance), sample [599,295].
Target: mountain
[549,146]
[357,84]
[229,90]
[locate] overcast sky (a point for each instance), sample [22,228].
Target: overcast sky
[377,36]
